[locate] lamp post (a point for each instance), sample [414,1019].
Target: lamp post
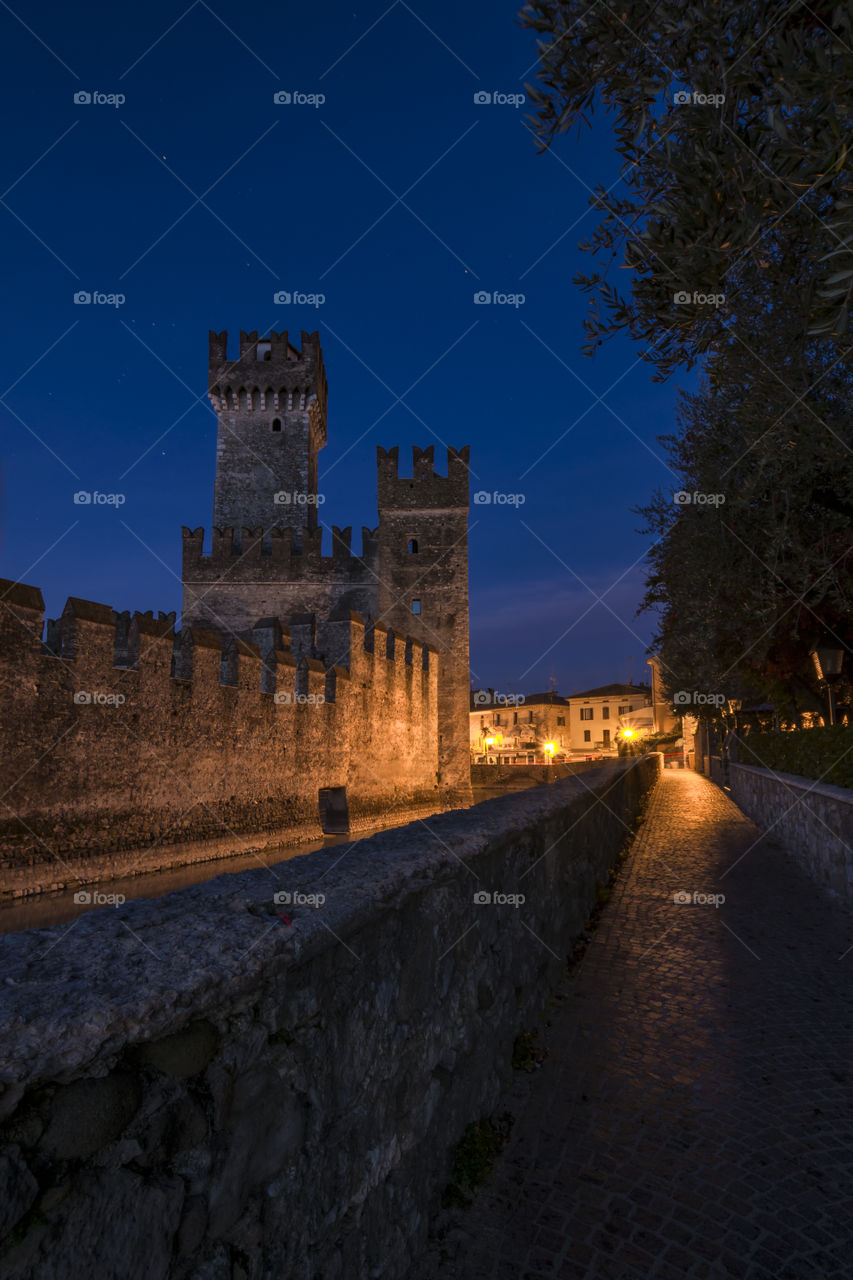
[828,660]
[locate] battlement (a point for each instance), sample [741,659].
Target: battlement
[269,374]
[94,638]
[276,555]
[424,488]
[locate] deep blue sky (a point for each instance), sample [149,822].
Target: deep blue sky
[98,197]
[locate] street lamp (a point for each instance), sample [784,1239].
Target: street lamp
[828,660]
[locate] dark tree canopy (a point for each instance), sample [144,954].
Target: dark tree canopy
[708,187]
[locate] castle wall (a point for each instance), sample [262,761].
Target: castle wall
[431,511]
[192,1081]
[234,586]
[113,766]
[271,411]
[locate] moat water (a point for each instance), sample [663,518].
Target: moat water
[44,910]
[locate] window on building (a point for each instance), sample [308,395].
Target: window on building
[413,546]
[586,713]
[530,717]
[561,719]
[622,711]
[587,735]
[515,717]
[497,717]
[482,722]
[276,424]
[605,733]
[416,606]
[605,712]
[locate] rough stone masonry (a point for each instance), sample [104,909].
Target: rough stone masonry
[195,1088]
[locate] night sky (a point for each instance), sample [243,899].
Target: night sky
[398,198]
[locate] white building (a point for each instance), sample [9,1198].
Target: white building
[597,716]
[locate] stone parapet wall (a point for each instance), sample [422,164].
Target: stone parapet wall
[814,822]
[197,1088]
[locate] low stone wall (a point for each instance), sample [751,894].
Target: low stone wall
[814,822]
[527,775]
[214,1085]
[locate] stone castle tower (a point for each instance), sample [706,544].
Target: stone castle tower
[266,567]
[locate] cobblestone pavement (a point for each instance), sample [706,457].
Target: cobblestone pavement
[694,1116]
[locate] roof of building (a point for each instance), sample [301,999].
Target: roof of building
[512,702]
[614,691]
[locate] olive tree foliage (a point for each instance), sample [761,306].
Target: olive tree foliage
[752,558]
[732,119]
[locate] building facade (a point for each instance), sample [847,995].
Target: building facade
[598,716]
[518,729]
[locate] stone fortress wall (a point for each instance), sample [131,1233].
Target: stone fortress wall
[195,1087]
[120,737]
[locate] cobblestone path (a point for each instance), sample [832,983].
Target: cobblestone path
[694,1117]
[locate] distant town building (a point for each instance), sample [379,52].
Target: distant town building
[599,716]
[519,728]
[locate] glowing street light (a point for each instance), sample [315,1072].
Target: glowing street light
[549,748]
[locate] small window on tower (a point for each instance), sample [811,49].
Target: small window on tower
[413,546]
[276,424]
[264,352]
[416,606]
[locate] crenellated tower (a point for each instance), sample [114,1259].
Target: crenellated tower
[423,586]
[266,559]
[271,408]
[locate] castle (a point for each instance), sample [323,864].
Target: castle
[303,692]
